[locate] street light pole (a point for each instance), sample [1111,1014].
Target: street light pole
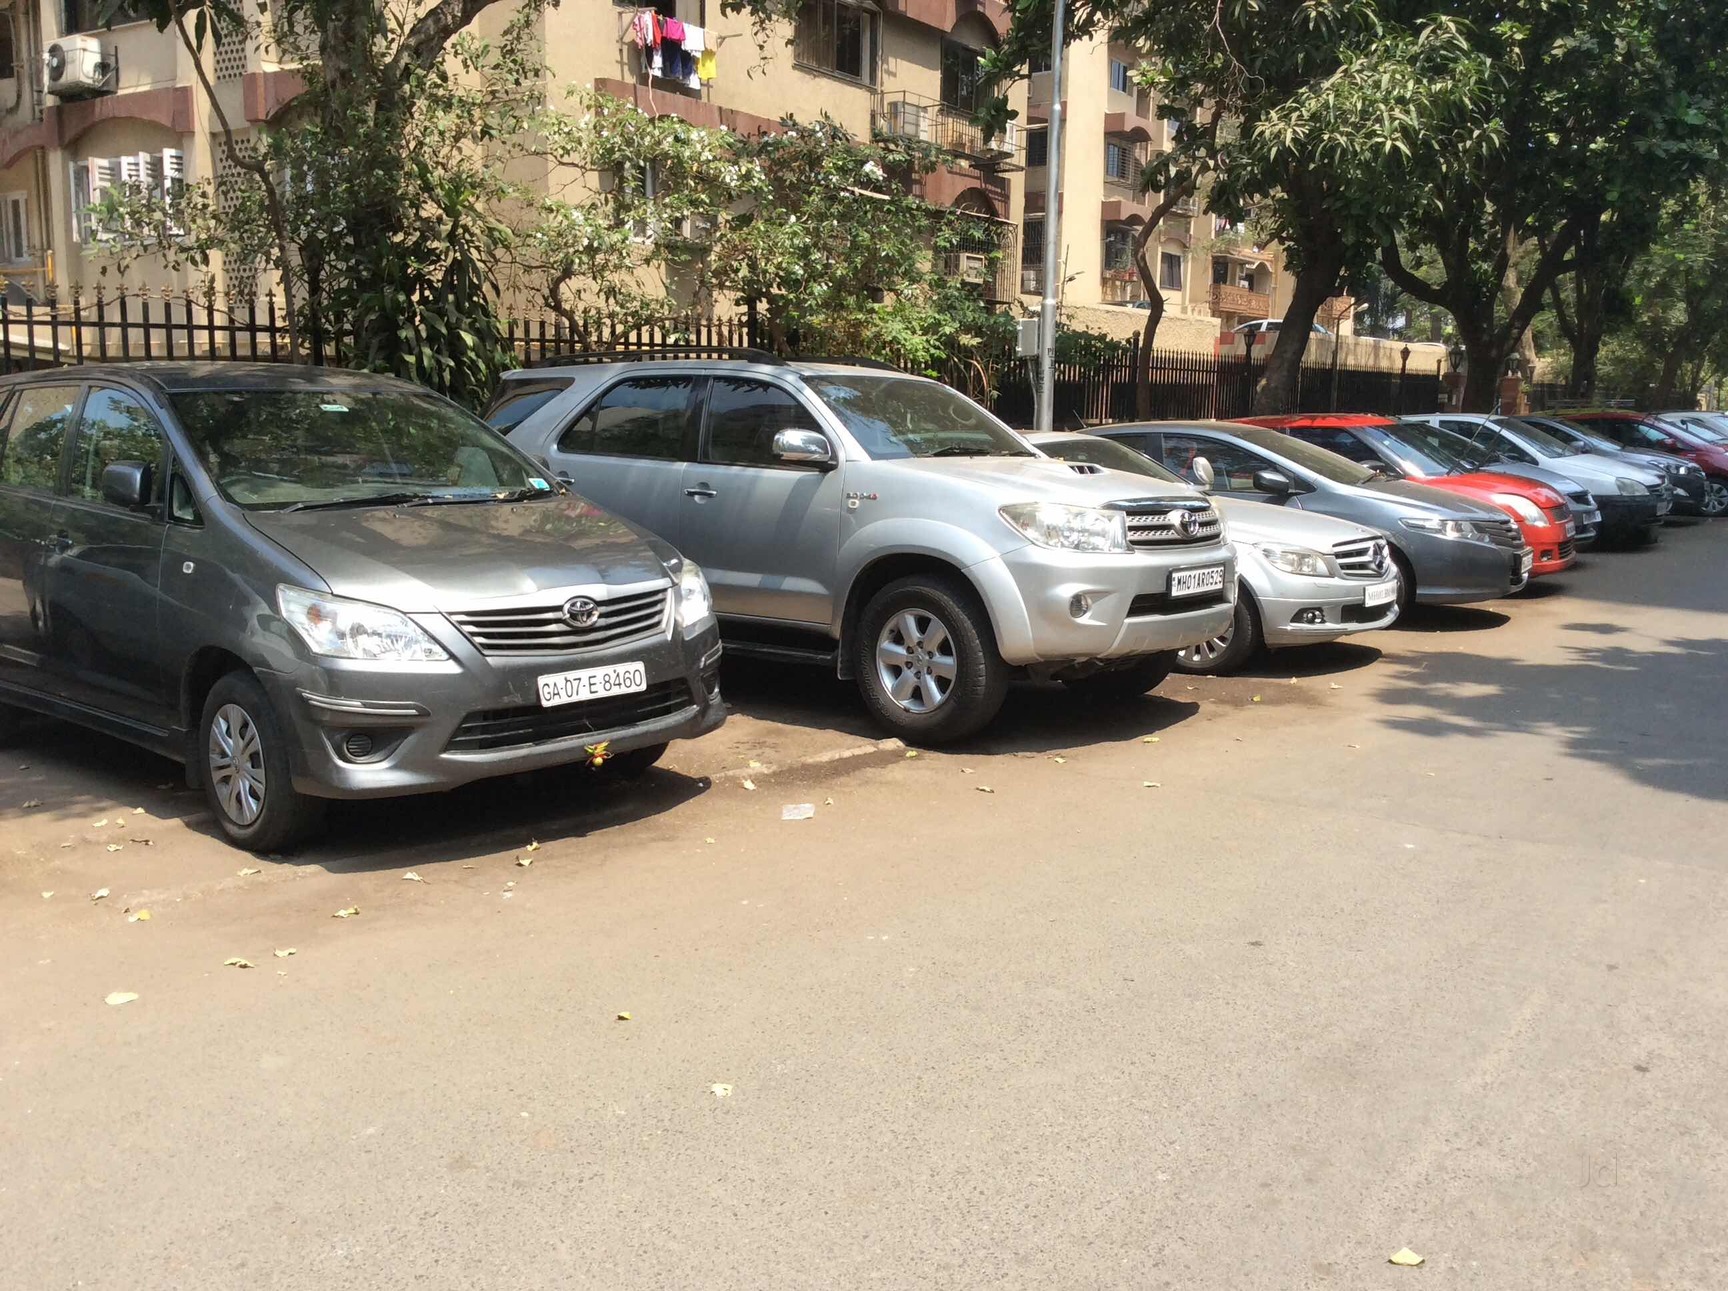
[1045,416]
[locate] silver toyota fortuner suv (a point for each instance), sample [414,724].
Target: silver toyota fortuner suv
[885,526]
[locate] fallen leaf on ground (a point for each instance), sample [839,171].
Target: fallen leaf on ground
[143,842]
[720,1091]
[32,802]
[46,895]
[347,913]
[984,788]
[412,877]
[1256,699]
[623,1017]
[121,997]
[755,765]
[250,869]
[283,954]
[138,916]
[524,861]
[511,883]
[114,847]
[707,840]
[827,802]
[1405,1257]
[98,894]
[1058,761]
[1336,686]
[137,811]
[532,846]
[1352,746]
[100,823]
[750,784]
[236,962]
[1150,784]
[508,895]
[798,811]
[1148,739]
[911,753]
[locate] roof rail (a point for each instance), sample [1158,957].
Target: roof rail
[711,353]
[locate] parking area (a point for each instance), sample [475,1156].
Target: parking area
[1417,941]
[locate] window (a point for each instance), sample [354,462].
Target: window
[642,418]
[115,427]
[1342,442]
[1119,249]
[1032,244]
[1039,62]
[1234,467]
[962,76]
[14,228]
[744,417]
[1037,148]
[182,506]
[1115,455]
[837,37]
[519,400]
[96,15]
[7,69]
[161,175]
[1170,271]
[893,417]
[1120,78]
[1220,272]
[1118,162]
[41,416]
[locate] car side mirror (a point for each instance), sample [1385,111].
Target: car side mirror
[126,484]
[804,448]
[1204,475]
[1274,482]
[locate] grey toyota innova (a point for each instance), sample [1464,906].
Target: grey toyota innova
[310,584]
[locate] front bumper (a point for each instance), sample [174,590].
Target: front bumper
[1622,515]
[436,726]
[1553,549]
[1297,611]
[1030,592]
[1688,494]
[1452,571]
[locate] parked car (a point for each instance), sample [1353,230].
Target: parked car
[1302,578]
[1509,446]
[1448,550]
[889,528]
[1416,451]
[205,560]
[1646,430]
[1271,326]
[1685,478]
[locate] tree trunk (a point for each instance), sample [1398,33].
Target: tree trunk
[1670,379]
[1279,386]
[1485,358]
[1154,316]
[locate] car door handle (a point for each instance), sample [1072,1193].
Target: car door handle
[701,494]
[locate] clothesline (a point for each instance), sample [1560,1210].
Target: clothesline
[673,49]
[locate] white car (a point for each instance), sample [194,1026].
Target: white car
[1303,578]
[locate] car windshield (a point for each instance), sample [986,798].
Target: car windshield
[1106,453]
[907,417]
[1310,457]
[1441,452]
[300,449]
[1538,438]
[1698,429]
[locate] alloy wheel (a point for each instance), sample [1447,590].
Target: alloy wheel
[1207,653]
[236,756]
[915,661]
[1715,497]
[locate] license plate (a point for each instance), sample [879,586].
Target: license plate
[1524,562]
[1569,528]
[1192,582]
[591,683]
[1381,595]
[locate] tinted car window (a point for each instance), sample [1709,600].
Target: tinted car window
[1336,440]
[1233,466]
[115,427]
[744,417]
[903,417]
[1310,457]
[41,418]
[519,401]
[1107,453]
[642,418]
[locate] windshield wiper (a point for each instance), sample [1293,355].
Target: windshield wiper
[961,450]
[380,500]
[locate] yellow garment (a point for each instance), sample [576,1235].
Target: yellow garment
[705,66]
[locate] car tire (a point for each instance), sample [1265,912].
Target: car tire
[1406,584]
[1715,496]
[633,764]
[926,661]
[1228,652]
[247,780]
[1126,681]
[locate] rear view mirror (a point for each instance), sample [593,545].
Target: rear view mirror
[803,448]
[1274,482]
[126,484]
[1204,475]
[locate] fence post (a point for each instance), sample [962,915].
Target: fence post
[272,316]
[5,336]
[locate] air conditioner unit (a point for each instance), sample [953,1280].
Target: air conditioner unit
[75,67]
[1005,144]
[908,120]
[967,266]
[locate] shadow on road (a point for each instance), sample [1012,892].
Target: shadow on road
[1631,709]
[1448,618]
[1326,660]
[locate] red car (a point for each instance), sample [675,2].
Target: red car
[1698,442]
[1429,455]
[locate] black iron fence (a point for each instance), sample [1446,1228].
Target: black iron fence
[140,326]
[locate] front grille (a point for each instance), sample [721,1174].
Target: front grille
[543,629]
[1501,532]
[1365,613]
[1568,549]
[1580,500]
[1153,527]
[1362,558]
[513,728]
[1149,604]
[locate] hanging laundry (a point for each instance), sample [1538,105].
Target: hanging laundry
[705,68]
[696,45]
[645,27]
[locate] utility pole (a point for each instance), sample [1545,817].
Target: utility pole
[1045,416]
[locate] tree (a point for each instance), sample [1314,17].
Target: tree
[1592,105]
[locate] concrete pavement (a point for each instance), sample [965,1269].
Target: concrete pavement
[1417,942]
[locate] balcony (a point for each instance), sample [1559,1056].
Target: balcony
[1239,300]
[1121,287]
[904,115]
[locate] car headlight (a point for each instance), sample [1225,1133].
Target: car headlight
[1690,468]
[337,628]
[1523,508]
[1460,529]
[1066,528]
[1631,488]
[695,608]
[1296,560]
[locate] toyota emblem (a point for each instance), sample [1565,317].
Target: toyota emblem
[1187,524]
[582,611]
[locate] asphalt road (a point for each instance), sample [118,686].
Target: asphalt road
[1414,943]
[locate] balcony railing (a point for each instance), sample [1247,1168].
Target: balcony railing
[904,115]
[1239,300]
